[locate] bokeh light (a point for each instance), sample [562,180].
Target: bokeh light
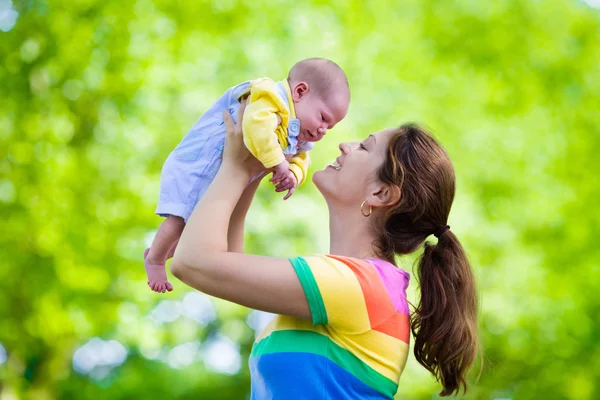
[8,16]
[222,355]
[97,357]
[3,355]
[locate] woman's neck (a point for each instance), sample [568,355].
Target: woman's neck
[351,234]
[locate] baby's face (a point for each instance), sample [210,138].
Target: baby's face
[317,115]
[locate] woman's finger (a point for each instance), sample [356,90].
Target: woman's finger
[241,109]
[229,124]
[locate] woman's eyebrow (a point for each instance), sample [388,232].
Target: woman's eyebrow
[372,136]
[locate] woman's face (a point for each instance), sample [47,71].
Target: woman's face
[349,178]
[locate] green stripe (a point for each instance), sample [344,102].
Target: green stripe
[311,290]
[299,341]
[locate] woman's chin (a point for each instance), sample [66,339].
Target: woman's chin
[320,179]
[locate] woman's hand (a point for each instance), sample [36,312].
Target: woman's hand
[236,153]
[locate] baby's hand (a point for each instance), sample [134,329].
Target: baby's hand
[289,183]
[285,179]
[280,172]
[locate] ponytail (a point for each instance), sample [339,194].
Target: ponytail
[444,323]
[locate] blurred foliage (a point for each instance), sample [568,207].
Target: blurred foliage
[95,94]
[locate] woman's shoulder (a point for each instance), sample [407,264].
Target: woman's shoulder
[372,288]
[372,272]
[382,266]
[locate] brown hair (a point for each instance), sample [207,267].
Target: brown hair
[444,322]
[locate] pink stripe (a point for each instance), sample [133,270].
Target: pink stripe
[395,281]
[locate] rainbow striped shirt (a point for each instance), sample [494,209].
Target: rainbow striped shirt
[356,345]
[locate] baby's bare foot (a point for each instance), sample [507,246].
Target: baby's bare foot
[157,275]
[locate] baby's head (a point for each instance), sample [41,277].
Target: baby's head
[321,96]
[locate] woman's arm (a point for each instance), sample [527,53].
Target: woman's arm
[235,235]
[202,259]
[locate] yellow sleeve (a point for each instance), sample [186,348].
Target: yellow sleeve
[299,166]
[258,126]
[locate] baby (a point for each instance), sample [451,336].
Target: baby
[282,120]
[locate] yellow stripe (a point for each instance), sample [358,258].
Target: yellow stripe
[342,295]
[385,354]
[282,322]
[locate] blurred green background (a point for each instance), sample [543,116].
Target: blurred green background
[95,94]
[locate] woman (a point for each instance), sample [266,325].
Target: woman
[343,326]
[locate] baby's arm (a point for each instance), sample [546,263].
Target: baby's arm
[258,127]
[299,166]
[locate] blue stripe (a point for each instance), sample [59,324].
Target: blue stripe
[305,376]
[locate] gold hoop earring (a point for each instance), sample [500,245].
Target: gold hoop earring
[370,209]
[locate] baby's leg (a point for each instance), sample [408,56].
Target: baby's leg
[172,250]
[162,247]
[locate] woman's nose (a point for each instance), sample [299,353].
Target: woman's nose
[344,147]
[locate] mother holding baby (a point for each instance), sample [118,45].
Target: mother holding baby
[343,324]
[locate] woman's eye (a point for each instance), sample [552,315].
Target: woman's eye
[360,146]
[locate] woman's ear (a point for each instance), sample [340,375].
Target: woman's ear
[299,91]
[384,195]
